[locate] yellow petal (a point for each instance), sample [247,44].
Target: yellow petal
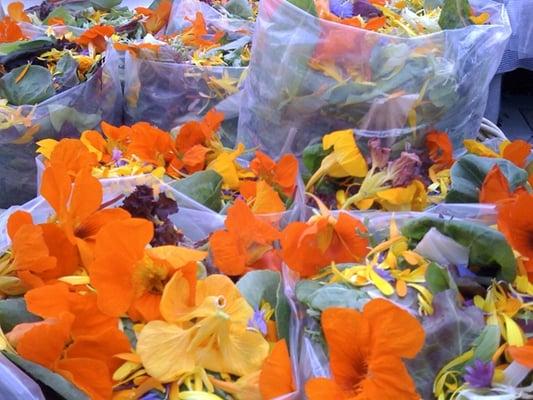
[480,19]
[76,279]
[478,148]
[348,159]
[513,333]
[397,199]
[267,200]
[225,166]
[383,286]
[163,350]
[196,395]
[46,146]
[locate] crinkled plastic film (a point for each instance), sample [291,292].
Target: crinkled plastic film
[168,94]
[298,88]
[182,10]
[521,14]
[64,115]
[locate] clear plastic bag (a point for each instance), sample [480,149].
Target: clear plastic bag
[308,77]
[521,14]
[64,115]
[15,384]
[168,94]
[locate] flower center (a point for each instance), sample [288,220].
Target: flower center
[150,276]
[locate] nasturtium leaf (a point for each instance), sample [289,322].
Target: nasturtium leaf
[306,5]
[283,314]
[490,254]
[66,72]
[455,14]
[54,381]
[305,288]
[63,14]
[437,278]
[450,331]
[239,8]
[13,311]
[468,174]
[334,295]
[105,4]
[30,87]
[259,285]
[25,46]
[312,157]
[204,187]
[61,115]
[486,344]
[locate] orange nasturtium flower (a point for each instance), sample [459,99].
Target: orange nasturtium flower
[69,155]
[366,351]
[440,149]
[16,11]
[495,187]
[262,197]
[245,244]
[195,35]
[193,143]
[75,339]
[281,175]
[96,37]
[515,221]
[130,278]
[77,207]
[205,326]
[275,379]
[307,247]
[10,31]
[157,18]
[40,253]
[150,144]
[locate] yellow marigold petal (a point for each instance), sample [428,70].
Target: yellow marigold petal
[478,148]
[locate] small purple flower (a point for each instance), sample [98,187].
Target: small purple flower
[405,169]
[479,374]
[384,273]
[365,9]
[258,322]
[341,8]
[379,155]
[116,156]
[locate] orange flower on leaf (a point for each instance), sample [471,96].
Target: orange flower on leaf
[130,278]
[71,156]
[307,247]
[440,149]
[150,144]
[515,221]
[263,198]
[517,152]
[75,339]
[281,175]
[77,207]
[495,187]
[246,243]
[16,11]
[96,37]
[157,18]
[366,351]
[196,35]
[523,354]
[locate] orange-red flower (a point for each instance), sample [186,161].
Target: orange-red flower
[75,339]
[10,31]
[246,243]
[193,143]
[71,156]
[517,152]
[263,198]
[276,378]
[366,351]
[307,247]
[16,11]
[77,207]
[523,354]
[130,278]
[515,221]
[150,144]
[281,175]
[195,35]
[495,187]
[96,37]
[40,252]
[440,149]
[157,18]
